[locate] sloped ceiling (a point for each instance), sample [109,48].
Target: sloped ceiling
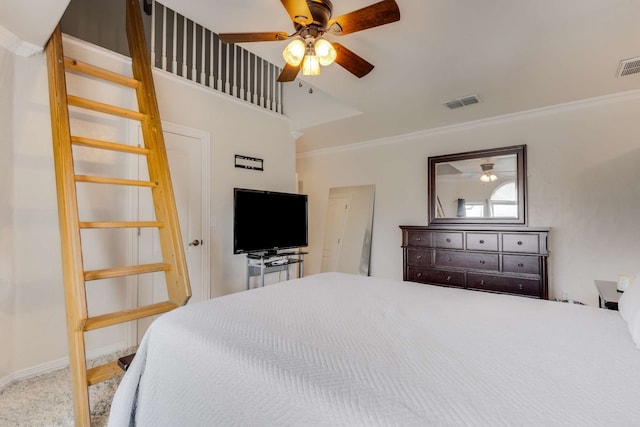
[515,55]
[26,25]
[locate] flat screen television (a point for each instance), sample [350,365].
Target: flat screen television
[267,221]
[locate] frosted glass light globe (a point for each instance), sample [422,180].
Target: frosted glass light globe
[326,52]
[294,52]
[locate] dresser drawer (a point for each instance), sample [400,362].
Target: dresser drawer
[439,277]
[511,285]
[449,240]
[521,264]
[418,238]
[419,257]
[516,242]
[482,241]
[467,260]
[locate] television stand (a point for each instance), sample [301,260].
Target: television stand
[259,264]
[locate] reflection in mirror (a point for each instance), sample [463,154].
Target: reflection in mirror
[347,238]
[485,186]
[477,188]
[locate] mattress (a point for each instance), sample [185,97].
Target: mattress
[340,350]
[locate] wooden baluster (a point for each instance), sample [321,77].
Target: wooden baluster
[203,69]
[184,47]
[261,103]
[194,70]
[255,81]
[174,59]
[279,92]
[211,62]
[242,73]
[153,33]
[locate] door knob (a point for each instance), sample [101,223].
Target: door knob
[196,243]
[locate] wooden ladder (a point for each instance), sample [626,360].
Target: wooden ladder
[166,218]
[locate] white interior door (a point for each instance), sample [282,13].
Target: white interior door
[188,165]
[337,213]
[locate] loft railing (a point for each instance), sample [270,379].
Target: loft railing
[187,49]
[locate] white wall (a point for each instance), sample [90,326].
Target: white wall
[236,128]
[583,183]
[40,336]
[7,290]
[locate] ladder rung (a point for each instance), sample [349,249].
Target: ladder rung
[106,145]
[111,319]
[117,181]
[122,224]
[130,270]
[103,372]
[91,70]
[104,108]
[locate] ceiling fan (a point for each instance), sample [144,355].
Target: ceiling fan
[309,49]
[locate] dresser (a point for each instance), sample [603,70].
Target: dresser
[509,260]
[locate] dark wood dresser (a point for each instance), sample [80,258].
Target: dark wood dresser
[509,260]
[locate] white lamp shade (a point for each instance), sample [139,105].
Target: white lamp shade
[294,52]
[326,52]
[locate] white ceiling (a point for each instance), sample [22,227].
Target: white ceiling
[26,25]
[516,55]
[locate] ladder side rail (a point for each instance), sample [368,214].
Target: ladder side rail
[177,279]
[72,263]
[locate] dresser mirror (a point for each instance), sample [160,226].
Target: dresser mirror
[478,187]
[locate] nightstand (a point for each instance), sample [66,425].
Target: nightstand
[608,294]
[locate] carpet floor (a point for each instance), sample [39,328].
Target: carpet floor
[46,400]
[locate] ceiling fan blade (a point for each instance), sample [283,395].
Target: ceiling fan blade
[377,14]
[351,62]
[289,73]
[252,37]
[298,11]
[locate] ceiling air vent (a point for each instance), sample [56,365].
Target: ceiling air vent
[462,102]
[629,66]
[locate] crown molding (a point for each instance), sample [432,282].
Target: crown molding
[506,118]
[14,44]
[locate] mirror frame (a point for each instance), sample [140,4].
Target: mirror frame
[521,182]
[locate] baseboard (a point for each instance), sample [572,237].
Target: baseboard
[54,365]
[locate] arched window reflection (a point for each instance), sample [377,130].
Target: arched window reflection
[504,200]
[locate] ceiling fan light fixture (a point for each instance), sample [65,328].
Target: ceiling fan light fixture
[310,65]
[326,52]
[487,173]
[294,52]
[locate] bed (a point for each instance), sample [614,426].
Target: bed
[340,350]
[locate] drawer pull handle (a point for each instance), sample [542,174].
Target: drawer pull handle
[519,242]
[419,275]
[448,278]
[448,240]
[418,238]
[419,257]
[520,264]
[481,282]
[482,262]
[482,242]
[449,258]
[520,286]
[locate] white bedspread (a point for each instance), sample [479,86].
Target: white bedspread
[340,350]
